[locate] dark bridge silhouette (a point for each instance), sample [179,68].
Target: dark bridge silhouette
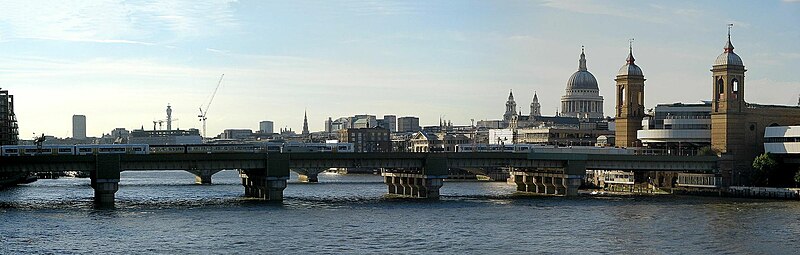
[264,175]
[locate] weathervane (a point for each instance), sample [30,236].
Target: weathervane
[630,43]
[730,25]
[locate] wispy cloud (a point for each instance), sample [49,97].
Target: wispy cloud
[114,21]
[604,8]
[379,7]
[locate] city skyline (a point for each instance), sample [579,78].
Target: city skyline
[121,64]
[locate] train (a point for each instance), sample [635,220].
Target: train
[95,149]
[81,149]
[540,148]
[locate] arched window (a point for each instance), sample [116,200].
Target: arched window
[735,87]
[720,89]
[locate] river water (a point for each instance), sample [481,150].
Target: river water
[165,213]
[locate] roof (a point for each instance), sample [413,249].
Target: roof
[582,79]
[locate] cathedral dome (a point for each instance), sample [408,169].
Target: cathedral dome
[728,57]
[582,79]
[630,68]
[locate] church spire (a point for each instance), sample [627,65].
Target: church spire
[511,107]
[305,122]
[630,58]
[582,62]
[729,45]
[536,108]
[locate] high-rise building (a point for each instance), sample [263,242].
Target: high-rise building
[408,124]
[9,133]
[390,122]
[329,125]
[582,98]
[266,127]
[79,127]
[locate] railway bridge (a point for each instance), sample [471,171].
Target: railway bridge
[264,175]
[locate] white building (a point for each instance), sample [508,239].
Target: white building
[677,128]
[501,136]
[782,140]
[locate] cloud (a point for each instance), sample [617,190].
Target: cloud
[377,7]
[114,21]
[604,8]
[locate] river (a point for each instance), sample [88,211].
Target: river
[165,213]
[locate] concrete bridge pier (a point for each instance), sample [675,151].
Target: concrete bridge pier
[572,183]
[309,174]
[521,181]
[538,184]
[549,187]
[413,185]
[203,176]
[105,179]
[390,182]
[559,184]
[267,183]
[263,187]
[547,183]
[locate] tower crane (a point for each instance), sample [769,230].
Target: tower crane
[203,113]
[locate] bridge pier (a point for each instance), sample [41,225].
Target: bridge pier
[413,185]
[308,174]
[547,183]
[203,176]
[105,179]
[267,183]
[263,187]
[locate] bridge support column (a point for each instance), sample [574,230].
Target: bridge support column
[308,174]
[203,176]
[559,185]
[269,183]
[105,179]
[413,185]
[263,187]
[547,183]
[538,181]
[391,182]
[549,187]
[520,180]
[572,183]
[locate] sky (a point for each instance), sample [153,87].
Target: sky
[121,62]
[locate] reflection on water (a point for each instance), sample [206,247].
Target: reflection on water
[165,212]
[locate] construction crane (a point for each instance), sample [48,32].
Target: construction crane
[203,113]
